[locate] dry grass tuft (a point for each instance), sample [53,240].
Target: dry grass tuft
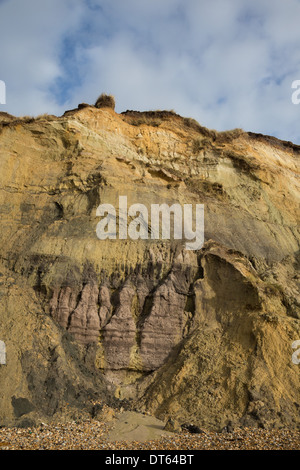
[227,136]
[105,101]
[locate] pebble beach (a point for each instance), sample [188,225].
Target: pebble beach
[94,435]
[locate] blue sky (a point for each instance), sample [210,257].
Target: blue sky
[226,63]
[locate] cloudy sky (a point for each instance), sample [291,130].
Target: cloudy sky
[226,63]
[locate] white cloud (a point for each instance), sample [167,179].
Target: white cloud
[30,37]
[227,63]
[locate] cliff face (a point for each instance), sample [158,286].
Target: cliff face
[202,335]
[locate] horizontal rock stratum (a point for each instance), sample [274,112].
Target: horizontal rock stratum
[202,336]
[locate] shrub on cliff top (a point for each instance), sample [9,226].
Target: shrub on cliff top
[105,101]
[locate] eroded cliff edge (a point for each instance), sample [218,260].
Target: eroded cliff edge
[202,336]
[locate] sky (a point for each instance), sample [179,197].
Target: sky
[226,63]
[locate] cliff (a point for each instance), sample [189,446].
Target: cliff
[199,335]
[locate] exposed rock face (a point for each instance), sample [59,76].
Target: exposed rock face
[165,325]
[202,336]
[225,369]
[119,333]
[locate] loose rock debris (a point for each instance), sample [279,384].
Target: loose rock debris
[91,434]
